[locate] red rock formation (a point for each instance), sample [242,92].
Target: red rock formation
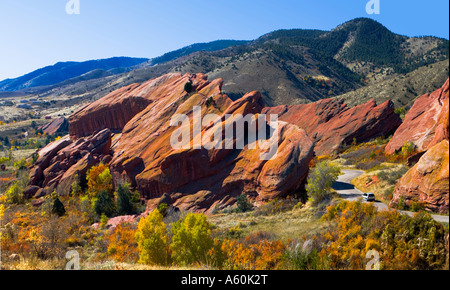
[201,179]
[426,123]
[198,179]
[60,161]
[56,126]
[195,179]
[428,181]
[333,125]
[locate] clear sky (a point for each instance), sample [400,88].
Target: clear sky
[37,33]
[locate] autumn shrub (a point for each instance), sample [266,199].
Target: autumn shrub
[152,240]
[264,255]
[122,245]
[402,242]
[98,179]
[14,194]
[276,206]
[192,239]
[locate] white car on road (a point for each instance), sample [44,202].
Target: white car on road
[368,196]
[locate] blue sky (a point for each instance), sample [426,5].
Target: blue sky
[37,33]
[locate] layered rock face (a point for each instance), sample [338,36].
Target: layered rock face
[427,182]
[62,160]
[332,124]
[116,109]
[426,123]
[197,179]
[427,126]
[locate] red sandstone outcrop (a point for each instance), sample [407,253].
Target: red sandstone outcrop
[426,123]
[199,179]
[58,125]
[117,108]
[428,181]
[427,126]
[332,124]
[62,160]
[194,179]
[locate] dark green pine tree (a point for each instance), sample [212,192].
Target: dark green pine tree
[58,208]
[124,205]
[104,204]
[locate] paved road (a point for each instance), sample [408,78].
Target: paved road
[348,191]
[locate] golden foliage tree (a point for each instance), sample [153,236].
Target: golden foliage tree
[152,240]
[98,179]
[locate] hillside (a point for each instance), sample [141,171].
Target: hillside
[402,89]
[62,71]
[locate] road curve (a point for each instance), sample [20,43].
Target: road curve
[348,191]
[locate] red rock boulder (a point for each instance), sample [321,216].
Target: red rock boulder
[427,182]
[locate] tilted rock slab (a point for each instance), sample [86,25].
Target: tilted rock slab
[426,123]
[333,125]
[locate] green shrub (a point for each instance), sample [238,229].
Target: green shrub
[320,181]
[191,240]
[408,149]
[162,208]
[103,221]
[188,87]
[20,164]
[416,206]
[243,205]
[75,186]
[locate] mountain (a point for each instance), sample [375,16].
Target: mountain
[209,46]
[62,71]
[288,67]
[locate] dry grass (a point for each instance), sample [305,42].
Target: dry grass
[370,182]
[293,224]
